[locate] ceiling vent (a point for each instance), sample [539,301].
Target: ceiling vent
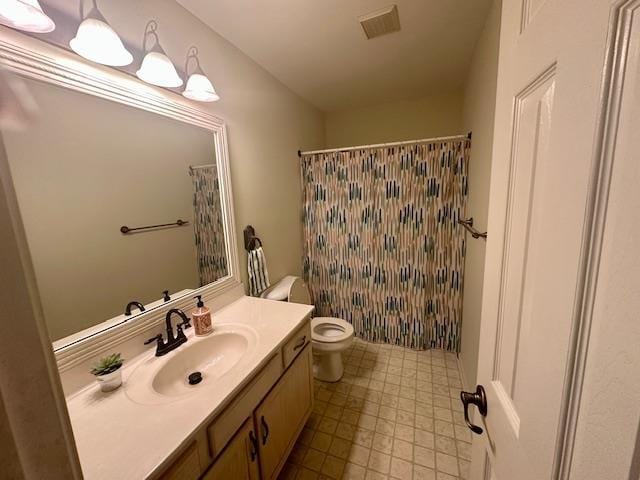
[381,22]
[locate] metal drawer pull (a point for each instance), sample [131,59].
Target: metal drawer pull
[265,430]
[301,343]
[254,446]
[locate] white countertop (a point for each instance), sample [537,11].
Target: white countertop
[118,438]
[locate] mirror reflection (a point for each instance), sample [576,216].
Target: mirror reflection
[118,204]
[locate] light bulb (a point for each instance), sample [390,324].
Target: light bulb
[199,88]
[157,69]
[98,42]
[26,15]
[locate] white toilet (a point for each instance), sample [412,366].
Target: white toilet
[329,336]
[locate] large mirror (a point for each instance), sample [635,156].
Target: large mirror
[119,204]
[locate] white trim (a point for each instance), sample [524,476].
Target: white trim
[463,376]
[40,61]
[477,442]
[391,144]
[199,167]
[595,215]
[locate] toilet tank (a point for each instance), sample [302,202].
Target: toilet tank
[289,289]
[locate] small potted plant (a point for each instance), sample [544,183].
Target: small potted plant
[108,372]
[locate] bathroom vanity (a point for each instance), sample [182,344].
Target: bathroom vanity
[240,424]
[98,251]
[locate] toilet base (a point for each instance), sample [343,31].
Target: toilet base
[328,367]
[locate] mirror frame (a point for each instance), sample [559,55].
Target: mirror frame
[33,58]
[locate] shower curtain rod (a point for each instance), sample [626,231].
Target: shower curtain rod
[391,144]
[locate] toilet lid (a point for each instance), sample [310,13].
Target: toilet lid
[330,329]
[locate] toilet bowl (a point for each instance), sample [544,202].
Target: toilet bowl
[329,336]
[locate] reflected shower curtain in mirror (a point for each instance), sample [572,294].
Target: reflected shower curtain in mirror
[383,248]
[207,224]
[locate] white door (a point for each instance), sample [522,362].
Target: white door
[550,76]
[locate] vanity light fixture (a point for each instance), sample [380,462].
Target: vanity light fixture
[156,67]
[26,15]
[98,42]
[199,87]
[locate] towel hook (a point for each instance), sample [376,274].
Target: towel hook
[250,239]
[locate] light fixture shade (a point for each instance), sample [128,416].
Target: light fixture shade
[98,42]
[157,69]
[199,88]
[26,15]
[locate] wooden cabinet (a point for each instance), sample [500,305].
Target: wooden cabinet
[283,413]
[239,459]
[279,420]
[267,416]
[296,344]
[186,467]
[220,431]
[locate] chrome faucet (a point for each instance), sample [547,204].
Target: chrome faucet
[173,341]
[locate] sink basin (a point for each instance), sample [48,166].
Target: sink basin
[212,357]
[167,378]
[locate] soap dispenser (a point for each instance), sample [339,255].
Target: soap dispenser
[202,324]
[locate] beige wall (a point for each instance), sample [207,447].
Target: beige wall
[477,116]
[432,116]
[36,440]
[82,175]
[9,460]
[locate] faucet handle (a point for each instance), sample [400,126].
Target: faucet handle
[185,323]
[180,336]
[157,339]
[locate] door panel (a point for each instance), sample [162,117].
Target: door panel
[529,165]
[547,105]
[529,10]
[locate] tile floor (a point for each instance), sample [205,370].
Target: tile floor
[396,413]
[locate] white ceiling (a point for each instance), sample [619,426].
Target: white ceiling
[318,48]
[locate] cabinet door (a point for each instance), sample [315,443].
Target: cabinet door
[186,467]
[282,414]
[239,459]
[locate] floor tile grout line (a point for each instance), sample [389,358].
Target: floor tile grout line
[392,407]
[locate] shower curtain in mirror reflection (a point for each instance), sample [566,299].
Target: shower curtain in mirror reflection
[207,225]
[383,249]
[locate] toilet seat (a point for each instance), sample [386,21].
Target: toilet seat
[330,330]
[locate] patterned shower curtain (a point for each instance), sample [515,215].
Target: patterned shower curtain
[207,225]
[383,249]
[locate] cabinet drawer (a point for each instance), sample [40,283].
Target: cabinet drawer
[239,459]
[186,467]
[231,419]
[296,344]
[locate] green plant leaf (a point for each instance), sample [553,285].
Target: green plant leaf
[108,364]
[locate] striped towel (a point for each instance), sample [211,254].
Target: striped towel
[258,275]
